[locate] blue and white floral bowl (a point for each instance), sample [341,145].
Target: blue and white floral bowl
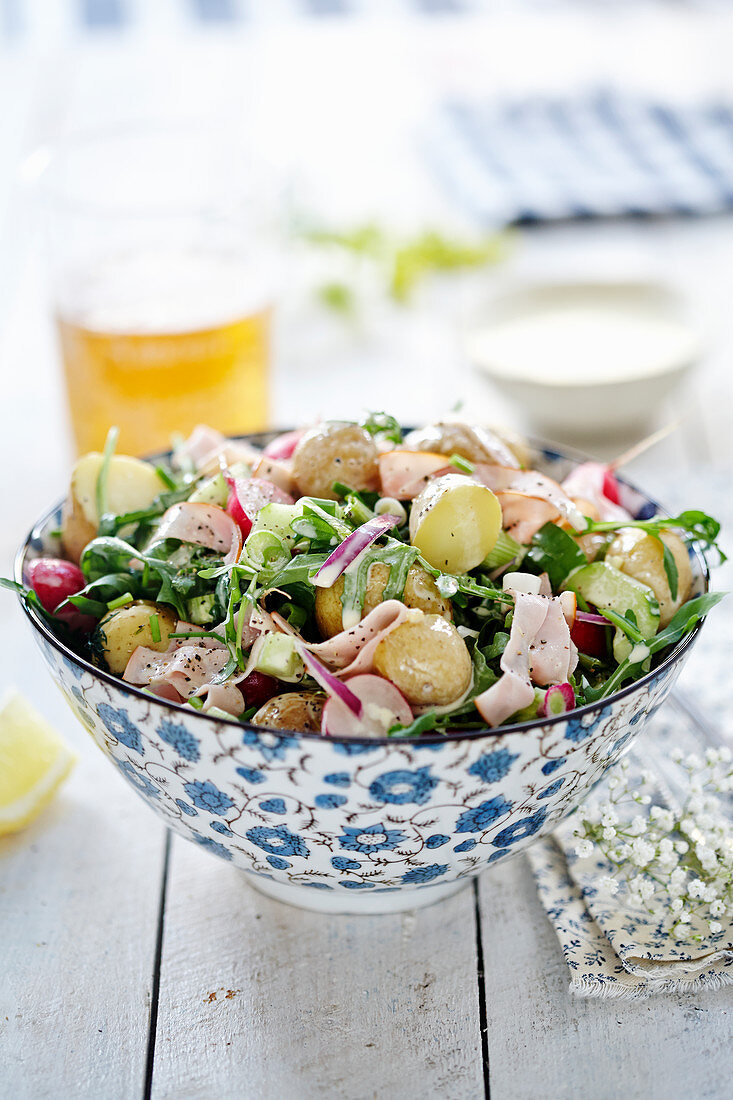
[343,825]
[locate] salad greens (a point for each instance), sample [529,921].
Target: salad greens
[216,584]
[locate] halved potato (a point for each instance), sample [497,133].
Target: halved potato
[455,522]
[426,659]
[641,556]
[131,485]
[421,591]
[295,710]
[120,632]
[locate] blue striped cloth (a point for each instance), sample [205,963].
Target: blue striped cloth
[593,155]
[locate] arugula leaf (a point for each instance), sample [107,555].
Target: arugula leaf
[697,526]
[555,552]
[670,568]
[422,724]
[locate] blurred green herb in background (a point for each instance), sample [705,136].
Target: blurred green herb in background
[404,262]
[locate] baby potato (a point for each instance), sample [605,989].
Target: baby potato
[455,522]
[120,632]
[475,443]
[421,592]
[335,451]
[295,710]
[639,555]
[131,485]
[427,659]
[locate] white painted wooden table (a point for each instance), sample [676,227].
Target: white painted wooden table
[133,964]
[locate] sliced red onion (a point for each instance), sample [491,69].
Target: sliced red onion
[353,545]
[330,683]
[247,495]
[384,706]
[559,699]
[588,617]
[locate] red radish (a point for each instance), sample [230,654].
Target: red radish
[283,445]
[257,689]
[559,699]
[53,581]
[610,488]
[589,637]
[247,495]
[383,706]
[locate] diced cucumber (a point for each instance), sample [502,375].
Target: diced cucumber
[277,518]
[608,588]
[278,657]
[213,491]
[199,610]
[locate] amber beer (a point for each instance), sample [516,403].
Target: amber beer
[158,345]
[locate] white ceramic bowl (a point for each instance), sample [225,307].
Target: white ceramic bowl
[579,358]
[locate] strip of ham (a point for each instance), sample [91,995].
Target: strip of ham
[186,666]
[352,650]
[205,525]
[208,450]
[539,650]
[502,479]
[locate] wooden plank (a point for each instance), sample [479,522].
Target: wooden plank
[79,899]
[264,1000]
[545,1042]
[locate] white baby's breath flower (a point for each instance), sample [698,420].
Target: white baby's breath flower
[715,927]
[663,818]
[684,917]
[717,908]
[676,756]
[584,848]
[676,905]
[642,852]
[637,826]
[608,885]
[696,887]
[609,833]
[693,762]
[681,846]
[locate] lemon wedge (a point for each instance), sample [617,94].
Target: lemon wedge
[34,761]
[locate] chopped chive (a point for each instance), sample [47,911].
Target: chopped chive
[165,477]
[196,702]
[121,601]
[462,464]
[109,450]
[155,628]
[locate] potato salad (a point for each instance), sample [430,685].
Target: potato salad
[351,579]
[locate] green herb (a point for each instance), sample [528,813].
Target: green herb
[121,601]
[155,628]
[506,550]
[109,450]
[461,464]
[696,525]
[555,552]
[384,426]
[165,477]
[670,568]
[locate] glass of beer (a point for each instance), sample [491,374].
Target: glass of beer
[162,263]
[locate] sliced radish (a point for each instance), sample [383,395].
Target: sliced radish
[559,699]
[282,446]
[589,637]
[383,706]
[353,545]
[247,495]
[610,487]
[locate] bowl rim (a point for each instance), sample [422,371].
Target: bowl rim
[547,449]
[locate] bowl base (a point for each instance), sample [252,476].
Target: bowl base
[362,902]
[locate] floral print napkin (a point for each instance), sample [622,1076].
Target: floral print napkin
[614,949]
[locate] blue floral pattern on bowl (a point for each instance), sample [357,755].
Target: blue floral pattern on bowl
[402,817]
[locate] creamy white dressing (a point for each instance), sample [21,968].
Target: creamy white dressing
[567,342]
[639,654]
